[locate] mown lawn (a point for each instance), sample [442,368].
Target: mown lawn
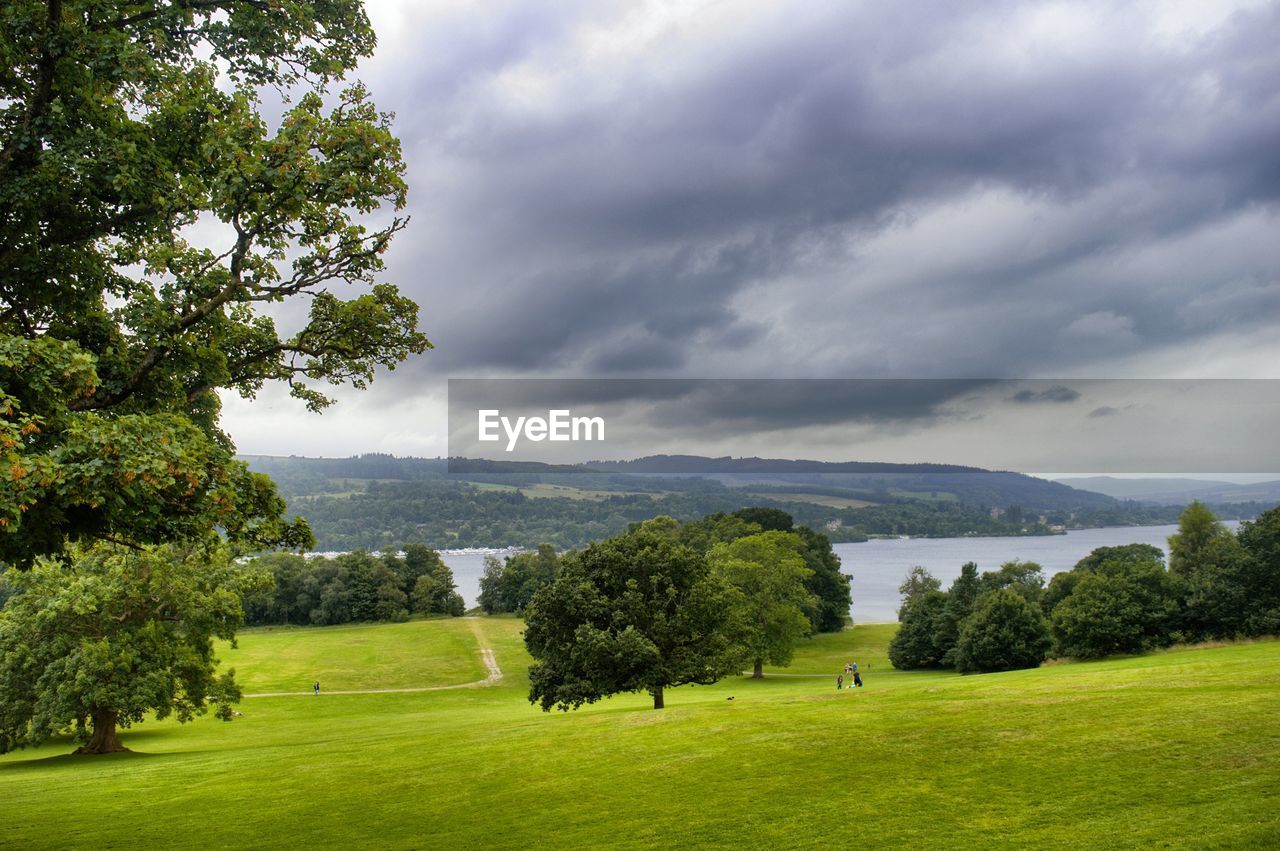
[1180,748]
[365,656]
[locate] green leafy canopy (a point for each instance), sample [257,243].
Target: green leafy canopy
[153,222]
[117,633]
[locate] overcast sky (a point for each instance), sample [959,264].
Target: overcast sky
[867,189]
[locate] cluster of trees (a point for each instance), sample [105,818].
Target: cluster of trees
[987,622]
[1217,584]
[356,586]
[509,585]
[152,219]
[669,603]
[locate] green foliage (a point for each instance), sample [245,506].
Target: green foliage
[638,612]
[1261,540]
[828,585]
[1120,606]
[917,583]
[352,587]
[961,596]
[768,571]
[718,528]
[914,645]
[1024,577]
[1061,585]
[125,129]
[1136,553]
[112,636]
[768,519]
[828,610]
[434,593]
[509,586]
[1224,587]
[1005,632]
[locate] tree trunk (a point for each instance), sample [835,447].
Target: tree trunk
[759,672]
[657,698]
[104,739]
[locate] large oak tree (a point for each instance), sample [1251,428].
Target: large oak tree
[102,639]
[155,222]
[768,571]
[637,612]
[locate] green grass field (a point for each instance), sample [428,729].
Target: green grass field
[1177,749]
[428,653]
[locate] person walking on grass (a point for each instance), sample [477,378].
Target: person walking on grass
[857,680]
[316,687]
[839,681]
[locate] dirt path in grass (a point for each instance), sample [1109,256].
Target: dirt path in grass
[486,653]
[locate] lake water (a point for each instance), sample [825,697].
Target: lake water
[879,566]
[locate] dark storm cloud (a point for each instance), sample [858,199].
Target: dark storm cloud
[1058,393]
[611,213]
[1169,422]
[731,406]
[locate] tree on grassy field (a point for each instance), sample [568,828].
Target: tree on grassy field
[1216,572]
[1118,607]
[355,586]
[509,586]
[435,594]
[769,573]
[1261,540]
[828,585]
[961,596]
[490,596]
[419,560]
[914,645]
[99,642]
[125,130]
[1004,633]
[636,612]
[829,611]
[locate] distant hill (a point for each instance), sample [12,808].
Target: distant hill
[1177,491]
[856,480]
[875,481]
[373,501]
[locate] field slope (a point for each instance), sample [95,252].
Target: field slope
[1180,748]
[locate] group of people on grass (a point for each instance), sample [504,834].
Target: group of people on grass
[850,670]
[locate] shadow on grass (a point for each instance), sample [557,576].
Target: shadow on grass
[66,760]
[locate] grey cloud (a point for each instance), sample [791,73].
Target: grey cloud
[642,208]
[1059,393]
[1103,411]
[642,355]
